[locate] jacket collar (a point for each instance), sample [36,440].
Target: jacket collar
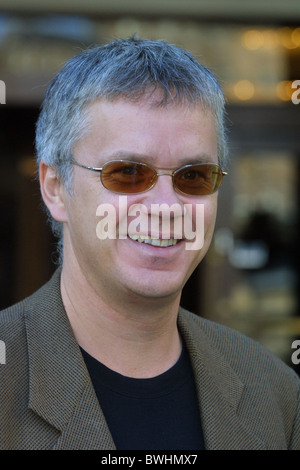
[61,392]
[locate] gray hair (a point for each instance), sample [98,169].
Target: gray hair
[123,68]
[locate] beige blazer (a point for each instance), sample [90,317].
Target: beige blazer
[248,399]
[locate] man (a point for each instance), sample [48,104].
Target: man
[103,357]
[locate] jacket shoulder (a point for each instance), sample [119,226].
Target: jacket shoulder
[18,310]
[13,321]
[20,423]
[247,357]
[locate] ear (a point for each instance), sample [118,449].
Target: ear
[52,192]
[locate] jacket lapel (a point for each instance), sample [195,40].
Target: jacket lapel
[86,428]
[220,391]
[60,389]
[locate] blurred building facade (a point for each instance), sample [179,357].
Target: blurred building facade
[250,278]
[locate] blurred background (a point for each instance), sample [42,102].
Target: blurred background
[250,277]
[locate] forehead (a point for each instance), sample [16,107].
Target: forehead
[145,129]
[147,105]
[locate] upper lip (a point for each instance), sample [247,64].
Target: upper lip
[158,242]
[160,236]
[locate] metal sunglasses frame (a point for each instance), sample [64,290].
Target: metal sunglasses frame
[165,171]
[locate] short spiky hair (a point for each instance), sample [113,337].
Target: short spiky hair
[126,68]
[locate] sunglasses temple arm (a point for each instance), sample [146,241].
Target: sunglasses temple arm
[86,167]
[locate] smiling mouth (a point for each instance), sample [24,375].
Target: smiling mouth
[163,243]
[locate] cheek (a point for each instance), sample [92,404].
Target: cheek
[204,226]
[204,213]
[82,219]
[210,213]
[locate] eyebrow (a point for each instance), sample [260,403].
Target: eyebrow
[141,158]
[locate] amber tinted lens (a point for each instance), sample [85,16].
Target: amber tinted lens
[127,177]
[198,180]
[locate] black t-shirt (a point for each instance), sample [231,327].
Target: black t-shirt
[160,413]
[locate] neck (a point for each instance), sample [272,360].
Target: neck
[130,334]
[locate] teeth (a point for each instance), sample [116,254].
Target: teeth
[154,241]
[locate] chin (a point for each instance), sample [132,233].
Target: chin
[161,288]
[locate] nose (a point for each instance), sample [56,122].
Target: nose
[162,209]
[164,196]
[163,192]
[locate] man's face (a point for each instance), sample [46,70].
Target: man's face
[166,137]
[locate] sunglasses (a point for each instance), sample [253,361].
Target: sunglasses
[129,177]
